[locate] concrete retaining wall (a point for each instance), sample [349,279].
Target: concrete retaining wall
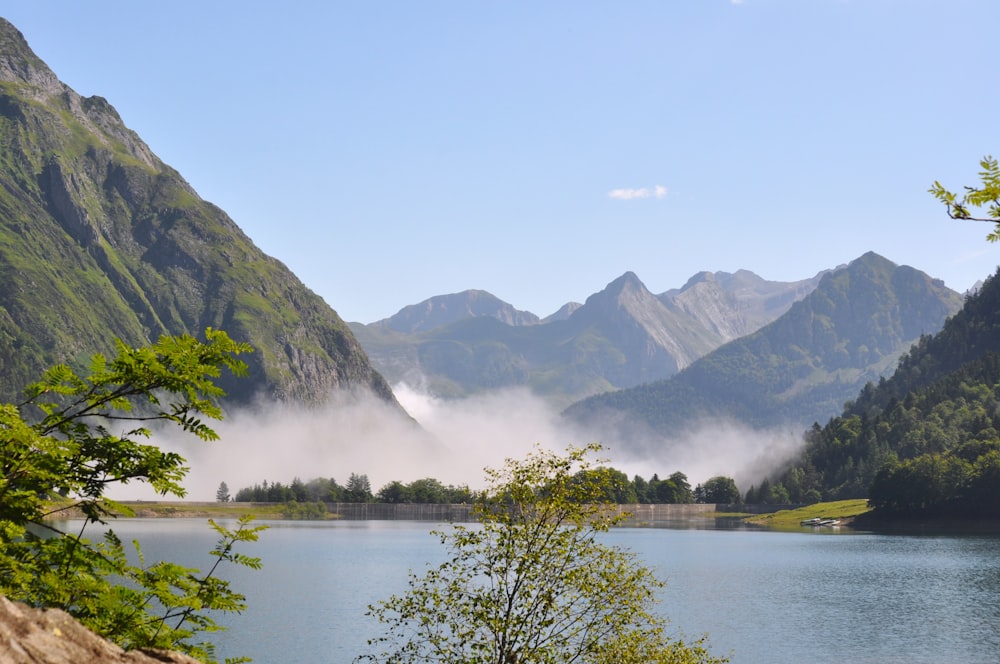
[641,514]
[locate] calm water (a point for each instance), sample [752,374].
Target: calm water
[761,596]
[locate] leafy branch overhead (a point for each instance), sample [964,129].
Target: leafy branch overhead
[985,196]
[58,454]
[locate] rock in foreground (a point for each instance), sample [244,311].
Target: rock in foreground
[51,636]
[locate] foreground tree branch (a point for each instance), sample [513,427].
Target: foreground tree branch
[58,453]
[532,582]
[986,196]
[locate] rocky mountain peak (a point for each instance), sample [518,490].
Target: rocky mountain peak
[873,261]
[18,64]
[627,287]
[698,278]
[36,81]
[625,295]
[802,366]
[564,312]
[628,280]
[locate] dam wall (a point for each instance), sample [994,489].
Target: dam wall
[640,514]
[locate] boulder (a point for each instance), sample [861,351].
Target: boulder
[51,636]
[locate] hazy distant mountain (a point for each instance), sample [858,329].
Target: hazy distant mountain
[620,337]
[803,366]
[444,309]
[564,312]
[737,304]
[100,239]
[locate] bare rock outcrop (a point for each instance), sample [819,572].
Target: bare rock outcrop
[51,636]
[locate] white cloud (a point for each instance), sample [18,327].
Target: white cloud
[628,194]
[454,441]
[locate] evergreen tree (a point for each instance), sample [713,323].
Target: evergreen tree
[358,489]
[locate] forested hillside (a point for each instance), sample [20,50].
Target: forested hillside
[927,439]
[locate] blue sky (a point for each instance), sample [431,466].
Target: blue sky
[391,151]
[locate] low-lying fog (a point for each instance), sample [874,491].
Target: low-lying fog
[452,442]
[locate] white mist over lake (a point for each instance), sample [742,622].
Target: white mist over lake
[451,440]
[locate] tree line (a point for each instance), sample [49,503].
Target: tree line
[618,488]
[318,490]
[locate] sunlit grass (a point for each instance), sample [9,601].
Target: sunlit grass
[792,519]
[182,509]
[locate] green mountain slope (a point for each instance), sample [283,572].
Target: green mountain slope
[803,366]
[100,239]
[933,427]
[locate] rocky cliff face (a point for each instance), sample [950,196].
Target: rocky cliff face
[100,239]
[657,338]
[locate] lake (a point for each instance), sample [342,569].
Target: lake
[761,596]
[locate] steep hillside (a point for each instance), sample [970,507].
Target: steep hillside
[803,366]
[932,425]
[624,335]
[100,239]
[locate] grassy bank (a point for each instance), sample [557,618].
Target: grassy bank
[193,510]
[843,510]
[205,510]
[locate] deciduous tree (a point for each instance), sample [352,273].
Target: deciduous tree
[61,449]
[987,196]
[532,582]
[718,489]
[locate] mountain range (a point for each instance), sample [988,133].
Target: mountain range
[463,343]
[100,239]
[725,346]
[801,367]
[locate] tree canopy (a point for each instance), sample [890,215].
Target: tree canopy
[718,489]
[59,454]
[532,582]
